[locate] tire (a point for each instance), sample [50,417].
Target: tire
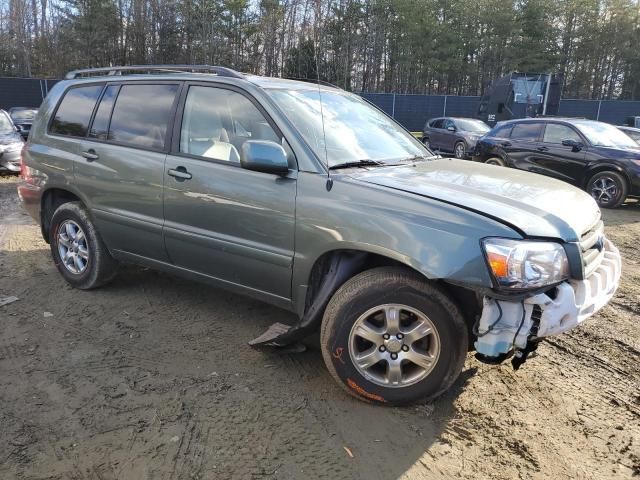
[405,291]
[495,161]
[426,142]
[609,189]
[88,255]
[460,150]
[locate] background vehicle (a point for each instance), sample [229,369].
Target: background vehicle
[10,144]
[591,155]
[520,95]
[632,122]
[634,133]
[23,119]
[453,135]
[307,197]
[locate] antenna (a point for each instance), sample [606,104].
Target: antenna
[324,134]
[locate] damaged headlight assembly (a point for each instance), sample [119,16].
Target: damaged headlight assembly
[525,264]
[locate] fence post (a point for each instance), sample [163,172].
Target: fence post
[393,106]
[444,109]
[598,114]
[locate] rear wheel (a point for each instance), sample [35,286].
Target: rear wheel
[460,150]
[609,189]
[426,142]
[389,337]
[77,249]
[495,161]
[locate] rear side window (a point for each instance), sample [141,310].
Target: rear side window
[141,115]
[528,132]
[74,112]
[100,124]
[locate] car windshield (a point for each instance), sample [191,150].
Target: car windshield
[633,134]
[355,131]
[605,135]
[474,126]
[23,114]
[5,124]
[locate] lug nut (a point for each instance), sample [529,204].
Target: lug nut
[399,336]
[382,348]
[386,336]
[394,356]
[405,348]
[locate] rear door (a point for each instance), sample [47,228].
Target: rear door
[122,165]
[557,160]
[521,147]
[223,221]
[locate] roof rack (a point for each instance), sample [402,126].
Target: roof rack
[313,80]
[109,71]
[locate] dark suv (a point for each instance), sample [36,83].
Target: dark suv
[453,135]
[594,156]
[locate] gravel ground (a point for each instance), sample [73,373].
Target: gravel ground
[151,378]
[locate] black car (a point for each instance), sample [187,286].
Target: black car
[592,155]
[453,135]
[23,119]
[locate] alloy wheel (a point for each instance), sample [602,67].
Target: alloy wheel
[394,345]
[73,247]
[460,150]
[604,190]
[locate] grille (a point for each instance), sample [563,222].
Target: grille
[592,248]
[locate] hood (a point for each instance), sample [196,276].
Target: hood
[536,205]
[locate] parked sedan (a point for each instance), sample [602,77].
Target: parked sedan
[453,135]
[23,119]
[10,144]
[592,155]
[634,133]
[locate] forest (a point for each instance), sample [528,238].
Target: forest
[453,47]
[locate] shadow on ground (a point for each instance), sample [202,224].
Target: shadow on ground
[151,377]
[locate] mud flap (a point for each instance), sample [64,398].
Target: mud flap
[341,267]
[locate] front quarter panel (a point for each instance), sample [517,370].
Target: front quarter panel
[439,240]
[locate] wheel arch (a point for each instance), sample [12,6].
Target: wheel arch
[51,199]
[604,167]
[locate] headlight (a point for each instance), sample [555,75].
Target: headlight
[526,264]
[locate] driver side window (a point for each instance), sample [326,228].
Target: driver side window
[556,133]
[216,122]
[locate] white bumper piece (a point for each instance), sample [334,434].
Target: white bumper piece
[507,325]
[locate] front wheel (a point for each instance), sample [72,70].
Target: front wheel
[460,151]
[609,189]
[389,337]
[495,161]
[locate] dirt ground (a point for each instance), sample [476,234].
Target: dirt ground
[151,378]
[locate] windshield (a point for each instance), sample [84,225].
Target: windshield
[474,126]
[633,134]
[605,135]
[355,131]
[5,124]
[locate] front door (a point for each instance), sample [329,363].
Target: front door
[222,220]
[561,161]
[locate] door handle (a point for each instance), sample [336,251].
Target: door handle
[506,144]
[180,173]
[90,155]
[542,149]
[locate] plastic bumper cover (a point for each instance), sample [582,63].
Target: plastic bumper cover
[506,325]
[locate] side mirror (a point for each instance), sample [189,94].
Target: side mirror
[576,146]
[451,128]
[264,156]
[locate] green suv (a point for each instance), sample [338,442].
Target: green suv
[307,197]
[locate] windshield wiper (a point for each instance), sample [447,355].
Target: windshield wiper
[358,163]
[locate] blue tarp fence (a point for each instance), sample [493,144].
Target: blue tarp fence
[410,110]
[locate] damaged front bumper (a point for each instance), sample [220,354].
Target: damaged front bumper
[510,328]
